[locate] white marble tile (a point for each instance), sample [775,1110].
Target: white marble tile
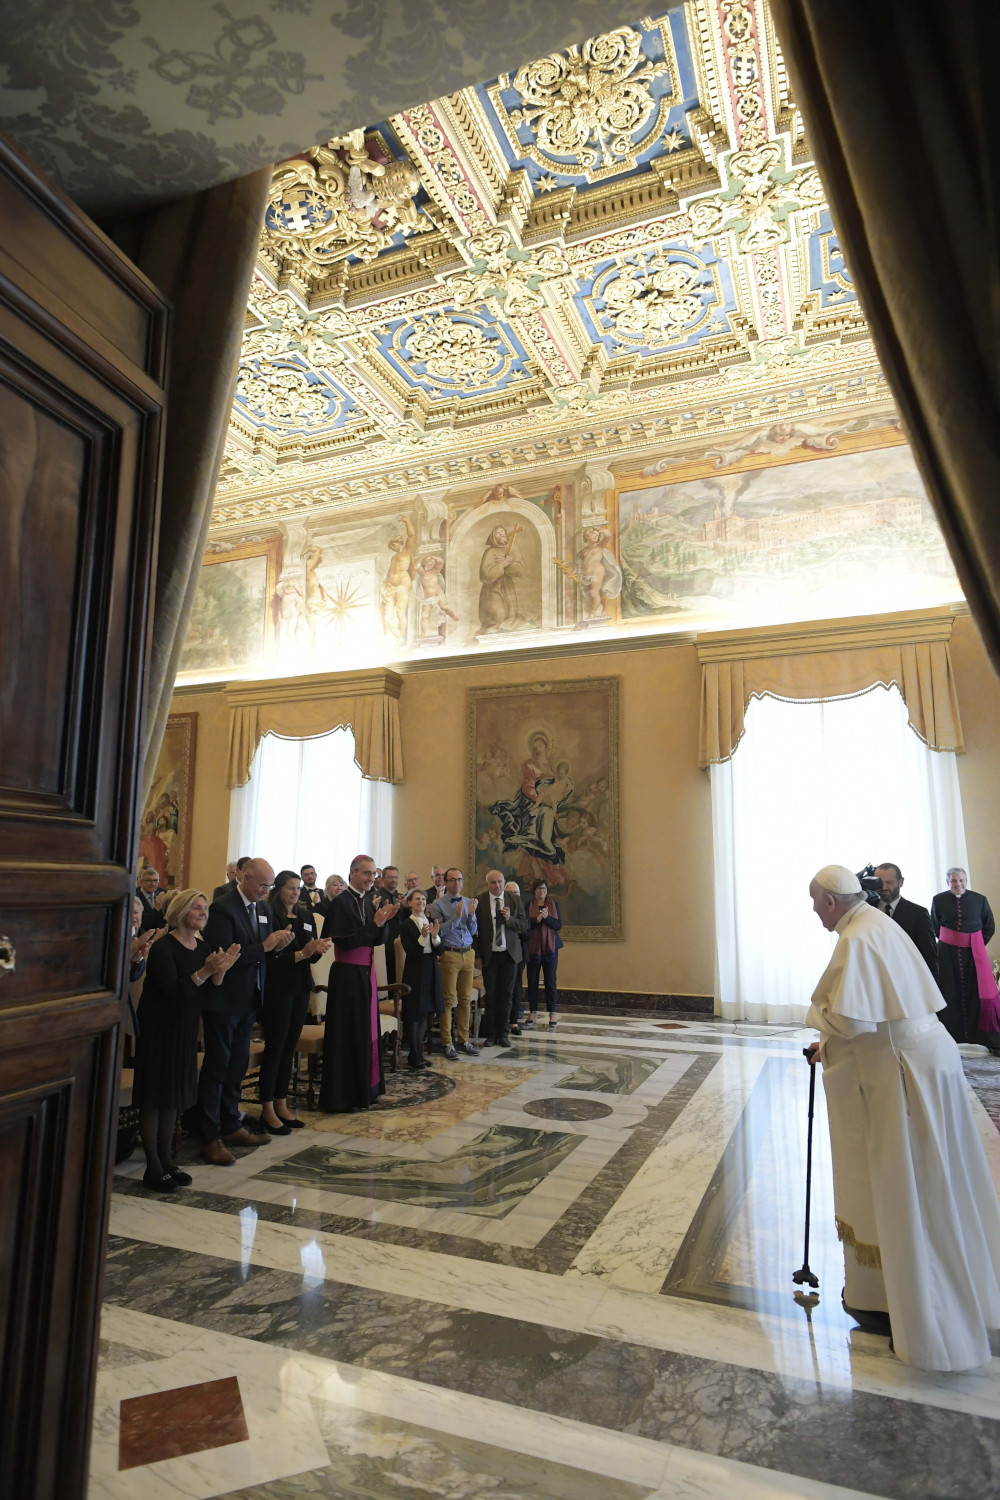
[636,1243]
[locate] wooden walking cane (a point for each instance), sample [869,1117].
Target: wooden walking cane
[804,1274]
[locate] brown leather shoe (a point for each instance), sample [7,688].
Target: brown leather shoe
[245,1137]
[215,1153]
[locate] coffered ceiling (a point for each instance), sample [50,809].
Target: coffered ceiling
[620,246]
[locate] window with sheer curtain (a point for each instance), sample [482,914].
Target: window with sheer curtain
[811,784]
[307,803]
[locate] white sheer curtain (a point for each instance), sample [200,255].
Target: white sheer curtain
[811,784]
[307,803]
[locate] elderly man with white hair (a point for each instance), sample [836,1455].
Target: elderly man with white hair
[916,1209]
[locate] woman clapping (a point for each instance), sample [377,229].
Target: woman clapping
[286,1000]
[166,1049]
[420,971]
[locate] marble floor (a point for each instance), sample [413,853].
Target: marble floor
[563,1270]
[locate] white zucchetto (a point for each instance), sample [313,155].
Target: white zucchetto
[838,880]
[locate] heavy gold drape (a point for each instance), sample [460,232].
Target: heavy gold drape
[829,661]
[366,702]
[902,109]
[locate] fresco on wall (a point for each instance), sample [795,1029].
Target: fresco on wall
[838,535]
[235,607]
[543,794]
[806,519]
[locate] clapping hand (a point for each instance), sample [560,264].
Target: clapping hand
[315,945]
[505,913]
[473,904]
[435,927]
[385,914]
[141,944]
[279,939]
[541,915]
[222,959]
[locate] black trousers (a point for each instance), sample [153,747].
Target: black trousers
[415,1031]
[547,963]
[498,977]
[283,1020]
[517,994]
[220,1082]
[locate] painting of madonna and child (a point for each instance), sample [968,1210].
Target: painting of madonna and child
[543,774]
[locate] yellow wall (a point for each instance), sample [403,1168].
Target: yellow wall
[665,800]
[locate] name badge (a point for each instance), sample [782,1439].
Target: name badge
[307,927]
[262,919]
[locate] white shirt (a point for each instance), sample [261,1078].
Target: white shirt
[499,935]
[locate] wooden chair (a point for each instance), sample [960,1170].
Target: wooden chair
[309,1046]
[392,1006]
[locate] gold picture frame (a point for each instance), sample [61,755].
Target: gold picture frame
[543,797]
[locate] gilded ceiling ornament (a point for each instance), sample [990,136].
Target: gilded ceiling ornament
[503,277]
[338,201]
[453,351]
[743,59]
[585,106]
[760,196]
[283,395]
[659,299]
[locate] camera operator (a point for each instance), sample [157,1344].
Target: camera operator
[914,919]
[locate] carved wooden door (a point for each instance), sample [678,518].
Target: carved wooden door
[82,347]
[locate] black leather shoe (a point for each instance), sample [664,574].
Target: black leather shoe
[284,1129]
[869,1319]
[159,1182]
[179,1178]
[293,1124]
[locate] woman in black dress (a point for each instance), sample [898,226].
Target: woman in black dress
[420,971]
[166,1050]
[286,1000]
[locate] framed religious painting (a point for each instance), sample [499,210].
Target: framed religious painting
[232,625]
[543,797]
[165,827]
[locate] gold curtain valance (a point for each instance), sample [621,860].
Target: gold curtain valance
[831,660]
[366,702]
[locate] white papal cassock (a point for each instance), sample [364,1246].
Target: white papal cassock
[916,1208]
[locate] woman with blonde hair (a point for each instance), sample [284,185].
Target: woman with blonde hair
[166,1053]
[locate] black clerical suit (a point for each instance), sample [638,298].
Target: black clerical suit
[915,921]
[390,898]
[151,915]
[224,889]
[957,976]
[229,1011]
[352,1053]
[499,965]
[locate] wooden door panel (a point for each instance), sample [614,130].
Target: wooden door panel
[82,337]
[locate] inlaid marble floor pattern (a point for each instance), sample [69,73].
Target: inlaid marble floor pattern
[568,1276]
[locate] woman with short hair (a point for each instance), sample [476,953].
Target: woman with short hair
[165,1080]
[544,943]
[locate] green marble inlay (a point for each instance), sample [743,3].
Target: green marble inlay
[488,1176]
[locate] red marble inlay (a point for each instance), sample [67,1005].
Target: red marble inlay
[188,1419]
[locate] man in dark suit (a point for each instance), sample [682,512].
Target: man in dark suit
[146,888]
[915,920]
[502,925]
[242,916]
[435,891]
[233,872]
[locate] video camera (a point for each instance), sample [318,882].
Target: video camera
[871,885]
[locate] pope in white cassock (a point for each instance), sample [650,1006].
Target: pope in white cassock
[916,1208]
